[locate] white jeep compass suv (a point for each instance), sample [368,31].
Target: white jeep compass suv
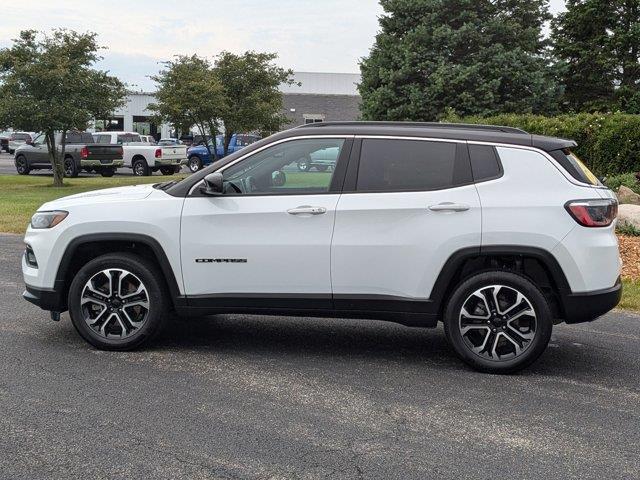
[497,233]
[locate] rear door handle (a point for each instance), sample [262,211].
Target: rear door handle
[307,209]
[449,207]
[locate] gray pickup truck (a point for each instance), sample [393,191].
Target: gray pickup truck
[81,153]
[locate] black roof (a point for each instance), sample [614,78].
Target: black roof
[453,131]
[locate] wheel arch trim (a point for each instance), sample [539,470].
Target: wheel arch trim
[152,243]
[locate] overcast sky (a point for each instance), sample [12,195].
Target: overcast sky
[307,35]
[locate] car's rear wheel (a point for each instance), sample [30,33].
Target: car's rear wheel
[117,301]
[140,168]
[70,168]
[22,166]
[167,170]
[194,164]
[498,322]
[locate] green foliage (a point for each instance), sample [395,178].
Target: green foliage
[251,89]
[597,43]
[189,93]
[477,57]
[608,143]
[48,84]
[629,180]
[627,229]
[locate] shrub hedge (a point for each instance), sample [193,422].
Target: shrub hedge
[608,143]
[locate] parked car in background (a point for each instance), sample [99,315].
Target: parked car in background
[17,139]
[4,141]
[81,153]
[321,160]
[142,158]
[200,156]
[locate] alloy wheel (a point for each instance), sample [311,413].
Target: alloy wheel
[68,167]
[194,165]
[497,322]
[21,165]
[115,303]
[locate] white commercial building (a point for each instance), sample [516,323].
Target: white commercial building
[320,97]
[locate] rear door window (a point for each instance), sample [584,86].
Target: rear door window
[411,165]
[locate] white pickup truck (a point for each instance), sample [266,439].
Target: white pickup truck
[144,158]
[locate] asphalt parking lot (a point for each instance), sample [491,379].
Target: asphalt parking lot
[275,398]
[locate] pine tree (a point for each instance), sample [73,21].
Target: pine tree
[477,57]
[598,45]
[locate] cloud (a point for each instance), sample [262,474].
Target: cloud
[331,35]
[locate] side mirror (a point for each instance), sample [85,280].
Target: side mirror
[213,184]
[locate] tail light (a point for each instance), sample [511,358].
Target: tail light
[84,152]
[593,213]
[121,152]
[158,152]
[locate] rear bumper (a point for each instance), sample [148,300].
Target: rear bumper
[585,307]
[46,299]
[98,163]
[170,161]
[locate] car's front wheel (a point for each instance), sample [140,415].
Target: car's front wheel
[118,301]
[22,166]
[498,322]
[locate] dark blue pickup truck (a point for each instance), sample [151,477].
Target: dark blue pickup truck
[198,156]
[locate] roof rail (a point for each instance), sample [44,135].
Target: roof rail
[460,126]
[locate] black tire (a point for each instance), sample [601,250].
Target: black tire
[11,152]
[155,293]
[194,163]
[497,330]
[167,170]
[140,168]
[70,167]
[22,166]
[321,168]
[107,172]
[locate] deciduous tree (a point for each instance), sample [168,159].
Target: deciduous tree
[48,84]
[251,89]
[190,93]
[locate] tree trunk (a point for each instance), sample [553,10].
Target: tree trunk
[227,140]
[54,158]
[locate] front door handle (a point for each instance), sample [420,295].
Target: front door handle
[449,207]
[307,209]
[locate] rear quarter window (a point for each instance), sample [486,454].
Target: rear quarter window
[574,166]
[411,165]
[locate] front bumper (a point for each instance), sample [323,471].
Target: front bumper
[98,163]
[585,307]
[46,299]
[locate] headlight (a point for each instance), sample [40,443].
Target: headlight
[48,219]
